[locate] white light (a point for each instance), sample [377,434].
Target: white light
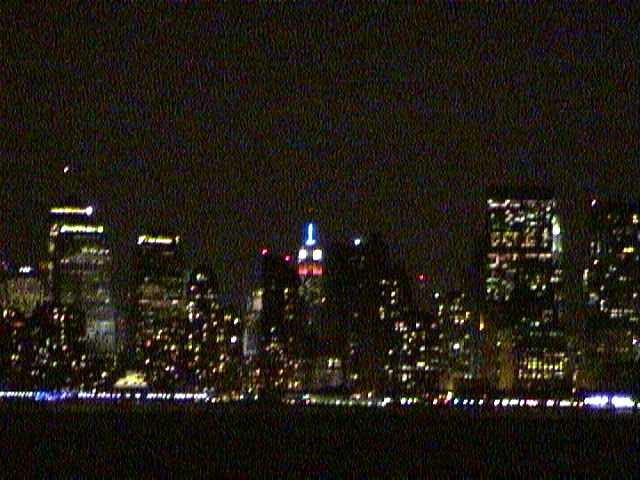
[26,269]
[556,229]
[622,402]
[81,229]
[303,254]
[156,240]
[234,339]
[66,169]
[317,255]
[596,401]
[88,211]
[357,242]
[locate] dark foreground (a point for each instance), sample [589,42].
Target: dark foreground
[253,440]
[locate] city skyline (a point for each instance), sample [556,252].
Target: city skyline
[353,323]
[468,278]
[397,126]
[345,239]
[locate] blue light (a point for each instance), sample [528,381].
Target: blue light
[310,241]
[596,401]
[622,401]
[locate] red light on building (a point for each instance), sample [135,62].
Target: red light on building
[287,258]
[310,269]
[422,277]
[264,251]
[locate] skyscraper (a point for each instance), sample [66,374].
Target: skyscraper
[369,326]
[213,336]
[80,271]
[612,289]
[321,368]
[458,335]
[160,325]
[522,290]
[279,325]
[21,289]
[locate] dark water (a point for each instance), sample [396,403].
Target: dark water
[250,441]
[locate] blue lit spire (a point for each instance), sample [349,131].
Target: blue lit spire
[310,230]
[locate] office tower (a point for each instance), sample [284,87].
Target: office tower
[252,378]
[322,370]
[612,289]
[160,327]
[458,328]
[61,358]
[80,272]
[279,324]
[522,290]
[213,336]
[21,289]
[205,320]
[369,322]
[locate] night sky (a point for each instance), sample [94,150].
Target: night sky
[226,126]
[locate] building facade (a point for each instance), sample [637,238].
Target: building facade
[611,351]
[80,267]
[159,332]
[213,336]
[523,291]
[280,336]
[458,336]
[21,289]
[370,327]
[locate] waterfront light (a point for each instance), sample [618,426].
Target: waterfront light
[619,401]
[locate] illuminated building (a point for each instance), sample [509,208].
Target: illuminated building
[522,291]
[310,255]
[229,351]
[59,357]
[44,345]
[21,289]
[16,351]
[161,321]
[279,325]
[321,368]
[457,337]
[199,336]
[612,289]
[369,325]
[252,380]
[212,337]
[80,272]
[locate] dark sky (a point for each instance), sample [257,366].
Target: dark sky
[226,126]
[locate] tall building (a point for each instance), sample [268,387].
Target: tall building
[612,289]
[459,328]
[61,358]
[279,325]
[44,345]
[80,269]
[523,295]
[21,289]
[213,336]
[252,378]
[160,329]
[369,324]
[323,370]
